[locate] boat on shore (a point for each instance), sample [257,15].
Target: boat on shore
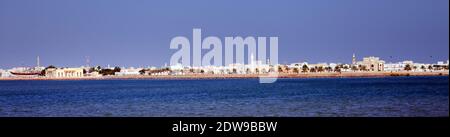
[26,71]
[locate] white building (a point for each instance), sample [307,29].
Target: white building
[128,71]
[400,66]
[64,72]
[93,74]
[394,67]
[442,63]
[372,63]
[4,73]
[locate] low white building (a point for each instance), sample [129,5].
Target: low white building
[400,66]
[4,73]
[394,67]
[93,74]
[128,71]
[442,63]
[64,72]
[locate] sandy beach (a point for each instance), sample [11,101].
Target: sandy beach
[231,76]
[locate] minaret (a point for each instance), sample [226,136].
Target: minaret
[38,63]
[353,59]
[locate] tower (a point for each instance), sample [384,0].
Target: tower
[353,59]
[38,63]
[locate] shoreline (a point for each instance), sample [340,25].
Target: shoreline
[243,76]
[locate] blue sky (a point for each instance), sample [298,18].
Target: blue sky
[138,32]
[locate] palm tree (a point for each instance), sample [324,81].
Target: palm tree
[295,70]
[280,69]
[363,67]
[305,68]
[337,68]
[328,69]
[45,69]
[320,69]
[142,71]
[345,67]
[98,68]
[312,70]
[354,68]
[116,69]
[51,66]
[407,67]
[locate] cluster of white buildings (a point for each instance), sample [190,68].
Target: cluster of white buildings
[416,67]
[129,71]
[367,64]
[254,67]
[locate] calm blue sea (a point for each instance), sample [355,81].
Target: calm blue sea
[390,96]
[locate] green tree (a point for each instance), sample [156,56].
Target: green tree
[354,68]
[142,71]
[107,72]
[305,68]
[51,66]
[363,67]
[45,69]
[312,70]
[346,67]
[296,70]
[407,67]
[337,68]
[320,69]
[280,68]
[116,69]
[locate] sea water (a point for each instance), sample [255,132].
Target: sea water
[306,97]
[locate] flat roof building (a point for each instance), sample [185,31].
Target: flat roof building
[64,72]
